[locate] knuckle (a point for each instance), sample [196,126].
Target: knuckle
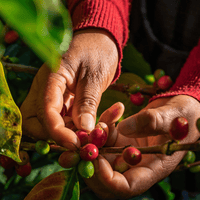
[155,120]
[88,101]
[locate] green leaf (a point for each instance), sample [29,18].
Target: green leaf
[2,50]
[10,121]
[1,31]
[110,97]
[134,62]
[72,190]
[131,78]
[166,187]
[3,177]
[60,185]
[36,22]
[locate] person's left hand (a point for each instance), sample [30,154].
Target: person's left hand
[149,127]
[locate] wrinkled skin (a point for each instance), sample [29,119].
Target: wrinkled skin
[86,70]
[147,128]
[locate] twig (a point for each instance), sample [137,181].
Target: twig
[20,68]
[144,89]
[28,146]
[184,167]
[167,148]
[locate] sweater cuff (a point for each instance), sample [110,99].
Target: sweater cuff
[188,81]
[111,16]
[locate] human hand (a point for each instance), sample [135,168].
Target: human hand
[85,72]
[149,127]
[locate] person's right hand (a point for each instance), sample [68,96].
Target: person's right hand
[85,72]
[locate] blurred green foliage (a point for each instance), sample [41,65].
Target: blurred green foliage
[44,25]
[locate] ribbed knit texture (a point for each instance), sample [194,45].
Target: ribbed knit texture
[111,15]
[188,81]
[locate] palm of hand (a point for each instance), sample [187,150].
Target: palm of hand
[149,127]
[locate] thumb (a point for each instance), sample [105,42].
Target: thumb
[87,97]
[148,122]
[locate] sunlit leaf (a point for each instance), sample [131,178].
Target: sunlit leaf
[130,78]
[110,97]
[166,187]
[2,31]
[10,121]
[2,50]
[60,185]
[36,22]
[134,62]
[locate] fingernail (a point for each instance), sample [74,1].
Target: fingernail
[87,122]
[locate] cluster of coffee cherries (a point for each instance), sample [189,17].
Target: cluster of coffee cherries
[159,80]
[24,168]
[89,150]
[83,157]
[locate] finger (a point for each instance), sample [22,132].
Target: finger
[87,97]
[30,124]
[115,185]
[50,103]
[134,181]
[150,122]
[69,123]
[110,117]
[112,114]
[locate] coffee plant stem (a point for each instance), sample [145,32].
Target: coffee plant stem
[167,148]
[144,89]
[184,167]
[27,146]
[20,68]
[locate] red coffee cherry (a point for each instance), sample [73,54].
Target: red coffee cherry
[7,162]
[69,159]
[137,99]
[164,82]
[179,128]
[11,37]
[132,155]
[89,152]
[98,136]
[83,137]
[23,170]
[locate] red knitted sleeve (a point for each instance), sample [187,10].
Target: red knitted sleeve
[188,81]
[111,15]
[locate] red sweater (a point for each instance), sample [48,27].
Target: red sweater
[113,16]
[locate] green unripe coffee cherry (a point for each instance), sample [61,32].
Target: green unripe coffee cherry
[195,169]
[189,157]
[150,79]
[86,169]
[158,74]
[42,147]
[198,124]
